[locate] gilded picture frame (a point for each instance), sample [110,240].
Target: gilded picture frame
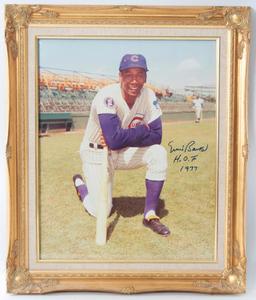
[230,26]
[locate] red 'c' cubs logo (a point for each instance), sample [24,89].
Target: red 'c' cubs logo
[135,122]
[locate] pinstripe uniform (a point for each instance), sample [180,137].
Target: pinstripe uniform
[145,110]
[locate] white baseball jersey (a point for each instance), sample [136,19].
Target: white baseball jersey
[109,100]
[146,109]
[198,103]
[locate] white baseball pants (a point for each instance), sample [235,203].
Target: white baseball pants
[198,111]
[154,157]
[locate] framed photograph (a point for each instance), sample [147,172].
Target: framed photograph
[127,148]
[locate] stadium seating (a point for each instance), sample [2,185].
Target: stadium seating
[80,101]
[65,101]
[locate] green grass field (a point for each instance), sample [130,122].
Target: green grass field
[187,205]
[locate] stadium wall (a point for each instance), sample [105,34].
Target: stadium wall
[80,119]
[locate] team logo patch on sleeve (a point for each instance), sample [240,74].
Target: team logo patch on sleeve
[156,104]
[109,102]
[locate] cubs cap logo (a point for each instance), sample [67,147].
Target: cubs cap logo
[135,58]
[133,61]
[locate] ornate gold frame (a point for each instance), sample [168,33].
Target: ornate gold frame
[19,18]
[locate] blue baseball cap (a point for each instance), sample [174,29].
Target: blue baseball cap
[133,61]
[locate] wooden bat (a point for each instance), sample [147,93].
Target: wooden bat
[102,206]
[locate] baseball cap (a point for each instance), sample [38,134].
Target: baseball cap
[133,61]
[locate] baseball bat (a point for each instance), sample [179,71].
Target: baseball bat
[102,207]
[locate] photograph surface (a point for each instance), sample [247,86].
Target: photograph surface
[154,103]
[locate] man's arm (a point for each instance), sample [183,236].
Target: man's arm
[155,136]
[117,137]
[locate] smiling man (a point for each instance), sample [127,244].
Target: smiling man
[126,118]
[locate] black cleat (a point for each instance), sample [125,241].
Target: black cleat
[156,226]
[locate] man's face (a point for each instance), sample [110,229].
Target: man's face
[132,81]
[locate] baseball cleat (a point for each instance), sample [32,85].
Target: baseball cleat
[156,226]
[81,188]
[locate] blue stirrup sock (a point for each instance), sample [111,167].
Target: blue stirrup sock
[153,190]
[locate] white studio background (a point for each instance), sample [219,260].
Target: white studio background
[251,176]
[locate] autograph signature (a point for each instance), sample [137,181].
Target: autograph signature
[186,154]
[188,147]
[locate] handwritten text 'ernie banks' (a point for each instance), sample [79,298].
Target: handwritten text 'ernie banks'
[187,155]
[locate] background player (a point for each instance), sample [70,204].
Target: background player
[126,116]
[198,104]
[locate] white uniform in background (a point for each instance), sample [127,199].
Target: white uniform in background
[198,106]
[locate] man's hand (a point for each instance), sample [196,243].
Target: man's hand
[102,141]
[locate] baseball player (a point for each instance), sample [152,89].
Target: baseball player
[198,104]
[127,118]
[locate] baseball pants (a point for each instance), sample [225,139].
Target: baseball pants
[154,157]
[198,113]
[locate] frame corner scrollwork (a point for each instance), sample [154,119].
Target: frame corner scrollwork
[233,279]
[19,16]
[20,280]
[235,18]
